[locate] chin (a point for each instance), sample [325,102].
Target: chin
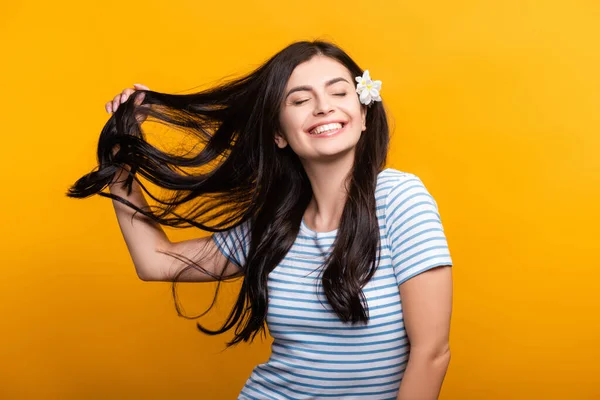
[331,148]
[335,150]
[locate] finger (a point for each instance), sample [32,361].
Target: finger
[139,98]
[115,102]
[125,94]
[108,107]
[140,86]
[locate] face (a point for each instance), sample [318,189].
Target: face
[321,92]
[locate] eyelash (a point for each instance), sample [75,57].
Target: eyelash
[297,103]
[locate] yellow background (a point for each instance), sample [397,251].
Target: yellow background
[494,104]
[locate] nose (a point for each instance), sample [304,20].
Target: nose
[322,106]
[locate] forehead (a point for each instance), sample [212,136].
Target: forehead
[317,71]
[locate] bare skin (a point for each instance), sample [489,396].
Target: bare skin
[145,238]
[327,95]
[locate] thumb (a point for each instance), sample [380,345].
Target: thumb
[140,86]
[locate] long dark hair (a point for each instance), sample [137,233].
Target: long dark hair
[245,177]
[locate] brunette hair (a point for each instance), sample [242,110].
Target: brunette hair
[246,178]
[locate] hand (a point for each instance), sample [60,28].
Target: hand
[111,106]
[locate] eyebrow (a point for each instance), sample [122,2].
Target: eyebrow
[328,83]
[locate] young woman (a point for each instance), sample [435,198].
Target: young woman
[346,261]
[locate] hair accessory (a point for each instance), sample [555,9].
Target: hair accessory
[367,89]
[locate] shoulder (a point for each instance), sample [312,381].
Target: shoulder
[390,175]
[413,226]
[391,180]
[400,191]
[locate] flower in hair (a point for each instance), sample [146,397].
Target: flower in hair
[367,89]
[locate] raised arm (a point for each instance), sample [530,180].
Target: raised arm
[145,237]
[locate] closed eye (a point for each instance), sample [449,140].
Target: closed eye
[297,103]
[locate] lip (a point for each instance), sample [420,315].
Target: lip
[330,134]
[325,123]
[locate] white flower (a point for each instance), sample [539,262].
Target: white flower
[368,89]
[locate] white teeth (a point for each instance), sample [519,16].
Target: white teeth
[324,128]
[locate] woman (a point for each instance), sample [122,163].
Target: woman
[345,261]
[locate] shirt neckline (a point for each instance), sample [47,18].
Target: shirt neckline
[304,227]
[315,233]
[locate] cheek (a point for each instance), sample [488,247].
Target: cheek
[351,105]
[353,111]
[295,121]
[286,120]
[291,124]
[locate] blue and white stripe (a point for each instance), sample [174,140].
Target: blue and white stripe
[314,355]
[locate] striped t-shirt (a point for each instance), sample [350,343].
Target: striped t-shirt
[314,355]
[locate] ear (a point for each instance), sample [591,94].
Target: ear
[363,117]
[280,140]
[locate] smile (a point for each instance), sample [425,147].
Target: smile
[327,130]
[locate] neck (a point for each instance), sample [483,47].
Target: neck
[328,182]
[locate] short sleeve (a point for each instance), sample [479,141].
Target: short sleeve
[234,243]
[414,229]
